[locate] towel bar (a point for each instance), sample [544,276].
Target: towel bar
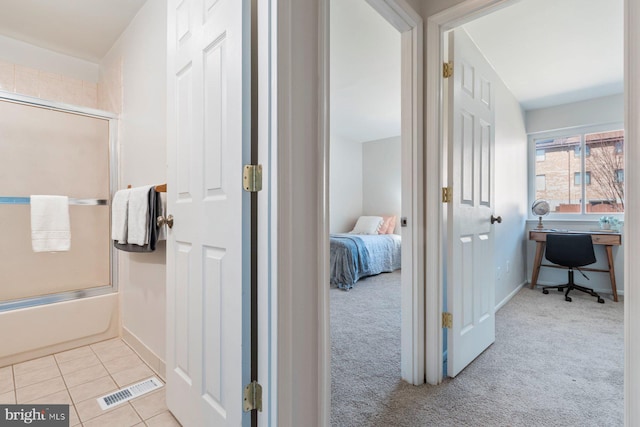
[27,200]
[160,188]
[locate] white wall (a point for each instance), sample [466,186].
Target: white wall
[345,185]
[511,183]
[381,178]
[141,53]
[28,55]
[607,109]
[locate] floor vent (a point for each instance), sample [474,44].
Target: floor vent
[128,393]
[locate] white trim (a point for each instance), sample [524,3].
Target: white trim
[267,214]
[632,207]
[511,295]
[400,14]
[300,322]
[324,336]
[146,354]
[413,306]
[433,206]
[285,249]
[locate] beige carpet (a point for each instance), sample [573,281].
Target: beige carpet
[554,363]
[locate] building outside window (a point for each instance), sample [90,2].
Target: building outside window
[577,178]
[580,172]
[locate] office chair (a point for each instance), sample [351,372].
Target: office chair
[572,251]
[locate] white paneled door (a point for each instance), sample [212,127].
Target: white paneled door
[207,329]
[471,277]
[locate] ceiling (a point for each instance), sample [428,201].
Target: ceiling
[551,52]
[84,29]
[365,73]
[547,52]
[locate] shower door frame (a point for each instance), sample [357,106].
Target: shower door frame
[113,185]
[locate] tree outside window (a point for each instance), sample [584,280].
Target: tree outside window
[607,168]
[583,173]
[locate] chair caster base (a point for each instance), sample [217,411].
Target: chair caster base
[567,299]
[545,291]
[600,300]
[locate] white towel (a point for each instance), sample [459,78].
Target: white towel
[119,213]
[138,216]
[50,224]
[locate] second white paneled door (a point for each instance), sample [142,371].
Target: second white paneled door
[471,278]
[207,328]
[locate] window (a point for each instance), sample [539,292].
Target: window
[577,178]
[578,149]
[579,172]
[606,194]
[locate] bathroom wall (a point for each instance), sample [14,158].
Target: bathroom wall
[50,86]
[132,82]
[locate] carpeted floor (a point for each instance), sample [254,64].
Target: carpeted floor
[553,363]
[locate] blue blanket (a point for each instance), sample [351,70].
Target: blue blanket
[355,256]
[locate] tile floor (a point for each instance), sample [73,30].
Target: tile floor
[77,377]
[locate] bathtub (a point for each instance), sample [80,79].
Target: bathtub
[33,332]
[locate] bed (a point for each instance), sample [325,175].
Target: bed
[353,257]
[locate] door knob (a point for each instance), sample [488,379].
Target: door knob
[168,221]
[495,219]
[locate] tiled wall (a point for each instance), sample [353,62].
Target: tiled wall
[50,86]
[110,86]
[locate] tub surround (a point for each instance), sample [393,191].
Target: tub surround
[34,332]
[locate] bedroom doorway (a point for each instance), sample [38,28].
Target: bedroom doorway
[453,18]
[375,133]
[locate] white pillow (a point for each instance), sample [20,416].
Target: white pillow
[367,225]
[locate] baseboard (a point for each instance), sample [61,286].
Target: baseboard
[511,295]
[145,353]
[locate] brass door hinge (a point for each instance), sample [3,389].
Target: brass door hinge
[447,194]
[447,320]
[447,69]
[252,178]
[252,397]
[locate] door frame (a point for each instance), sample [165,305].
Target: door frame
[409,23]
[437,25]
[443,21]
